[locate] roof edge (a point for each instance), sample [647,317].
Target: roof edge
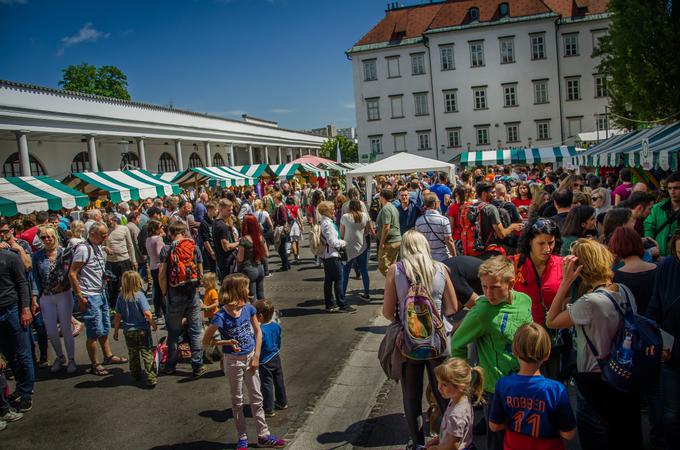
[503,21]
[385,44]
[587,18]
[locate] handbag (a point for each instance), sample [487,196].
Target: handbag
[389,352]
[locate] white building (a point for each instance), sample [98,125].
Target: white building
[55,132]
[441,78]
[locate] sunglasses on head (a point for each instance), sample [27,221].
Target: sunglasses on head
[545,226]
[577,185]
[596,197]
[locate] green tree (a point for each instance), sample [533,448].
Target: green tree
[640,60]
[348,150]
[108,81]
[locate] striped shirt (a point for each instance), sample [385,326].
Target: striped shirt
[437,230]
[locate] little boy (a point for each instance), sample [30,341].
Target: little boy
[535,410]
[271,372]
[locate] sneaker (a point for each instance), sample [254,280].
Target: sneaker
[76,328]
[281,407]
[58,364]
[43,363]
[242,444]
[198,373]
[366,297]
[348,309]
[269,413]
[268,275]
[72,368]
[24,405]
[332,309]
[3,425]
[270,441]
[11,416]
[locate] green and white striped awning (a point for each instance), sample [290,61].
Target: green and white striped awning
[124,185]
[311,169]
[166,176]
[517,156]
[352,166]
[287,171]
[24,195]
[335,167]
[216,176]
[254,170]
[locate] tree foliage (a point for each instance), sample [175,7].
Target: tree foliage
[349,150]
[640,60]
[108,81]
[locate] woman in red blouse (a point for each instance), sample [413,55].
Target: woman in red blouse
[523,199]
[461,196]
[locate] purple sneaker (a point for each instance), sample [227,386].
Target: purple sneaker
[242,444]
[270,441]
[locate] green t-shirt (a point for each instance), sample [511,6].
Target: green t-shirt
[566,244]
[492,327]
[389,215]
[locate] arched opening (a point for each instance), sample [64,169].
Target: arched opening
[217,160]
[195,160]
[474,14]
[81,163]
[167,163]
[12,167]
[129,161]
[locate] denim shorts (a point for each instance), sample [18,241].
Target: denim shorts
[97,319]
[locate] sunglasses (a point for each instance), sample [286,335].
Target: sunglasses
[545,226]
[597,197]
[576,185]
[5,231]
[46,238]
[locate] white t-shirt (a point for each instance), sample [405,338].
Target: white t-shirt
[457,421]
[354,234]
[91,276]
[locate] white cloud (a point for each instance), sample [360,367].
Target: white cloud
[348,105]
[281,111]
[13,2]
[86,34]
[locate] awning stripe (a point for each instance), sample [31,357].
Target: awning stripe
[127,185]
[516,156]
[286,171]
[27,194]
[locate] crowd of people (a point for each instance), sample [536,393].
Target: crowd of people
[523,276]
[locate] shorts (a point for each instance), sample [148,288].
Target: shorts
[96,317]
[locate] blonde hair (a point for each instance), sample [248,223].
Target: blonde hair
[131,283]
[596,260]
[76,225]
[417,259]
[531,343]
[210,281]
[582,199]
[498,266]
[257,205]
[235,288]
[49,229]
[470,380]
[325,208]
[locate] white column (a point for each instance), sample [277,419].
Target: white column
[230,152]
[280,160]
[142,153]
[24,159]
[316,152]
[208,155]
[178,155]
[250,154]
[289,152]
[266,154]
[92,153]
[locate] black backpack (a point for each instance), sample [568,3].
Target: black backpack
[374,209]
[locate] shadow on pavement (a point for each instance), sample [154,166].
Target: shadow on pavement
[308,303]
[196,445]
[316,280]
[299,312]
[381,329]
[117,377]
[383,431]
[225,414]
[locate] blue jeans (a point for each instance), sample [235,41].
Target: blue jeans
[180,306]
[332,282]
[159,306]
[361,263]
[38,325]
[15,344]
[283,253]
[664,402]
[97,317]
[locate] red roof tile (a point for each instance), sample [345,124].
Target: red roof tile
[453,13]
[402,23]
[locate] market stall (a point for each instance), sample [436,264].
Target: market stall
[313,170]
[504,157]
[122,185]
[214,176]
[166,176]
[285,171]
[24,195]
[335,167]
[255,171]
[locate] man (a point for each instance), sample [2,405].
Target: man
[414,193]
[201,209]
[493,232]
[389,236]
[562,200]
[641,204]
[437,229]
[280,219]
[508,212]
[183,301]
[89,284]
[622,191]
[408,211]
[443,192]
[123,211]
[225,240]
[205,236]
[246,204]
[152,213]
[93,216]
[664,218]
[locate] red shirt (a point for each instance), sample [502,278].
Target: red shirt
[29,236]
[623,190]
[514,440]
[525,281]
[453,214]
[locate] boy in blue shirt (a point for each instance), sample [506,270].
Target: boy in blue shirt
[534,410]
[271,372]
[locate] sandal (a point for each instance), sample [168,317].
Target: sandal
[98,370]
[115,360]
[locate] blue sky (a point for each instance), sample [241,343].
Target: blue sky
[278,59]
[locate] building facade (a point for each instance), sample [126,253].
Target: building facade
[440,79]
[46,131]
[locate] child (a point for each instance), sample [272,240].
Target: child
[492,323]
[271,372]
[210,303]
[133,312]
[241,343]
[457,381]
[537,407]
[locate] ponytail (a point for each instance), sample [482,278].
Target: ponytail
[477,385]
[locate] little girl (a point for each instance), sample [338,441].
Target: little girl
[457,381]
[210,303]
[134,314]
[241,343]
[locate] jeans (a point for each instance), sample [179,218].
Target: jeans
[360,263]
[256,276]
[159,306]
[412,394]
[38,325]
[494,439]
[117,268]
[283,253]
[271,379]
[188,306]
[664,403]
[96,317]
[57,309]
[15,344]
[236,370]
[332,282]
[140,354]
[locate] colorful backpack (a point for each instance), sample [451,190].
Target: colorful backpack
[182,265]
[315,245]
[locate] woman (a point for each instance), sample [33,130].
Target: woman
[154,245]
[340,200]
[354,226]
[251,253]
[332,264]
[267,228]
[461,196]
[616,217]
[523,199]
[540,200]
[636,274]
[538,270]
[606,418]
[581,198]
[76,230]
[120,255]
[579,223]
[602,200]
[281,220]
[572,182]
[296,227]
[417,264]
[53,289]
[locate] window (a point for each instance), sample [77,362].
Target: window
[399,142]
[453,137]
[540,92]
[450,101]
[482,132]
[538,46]
[480,97]
[376,144]
[570,42]
[600,86]
[574,88]
[418,64]
[601,122]
[503,9]
[597,37]
[393,67]
[474,14]
[129,161]
[512,132]
[423,140]
[542,130]
[370,70]
[507,45]
[166,163]
[373,108]
[397,105]
[446,55]
[12,168]
[217,160]
[195,160]
[574,126]
[81,163]
[510,95]
[477,53]
[421,103]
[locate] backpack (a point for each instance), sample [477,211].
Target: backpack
[635,357]
[470,224]
[182,266]
[424,336]
[374,209]
[141,240]
[315,244]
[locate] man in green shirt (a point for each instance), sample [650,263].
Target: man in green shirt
[665,216]
[389,236]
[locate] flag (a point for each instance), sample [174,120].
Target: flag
[339,156]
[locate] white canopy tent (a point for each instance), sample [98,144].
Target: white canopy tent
[397,164]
